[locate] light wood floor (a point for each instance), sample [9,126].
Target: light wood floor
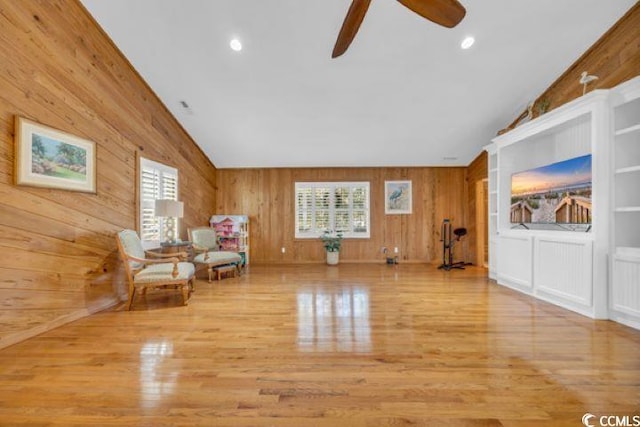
[310,345]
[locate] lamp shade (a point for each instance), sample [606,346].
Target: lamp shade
[169,208]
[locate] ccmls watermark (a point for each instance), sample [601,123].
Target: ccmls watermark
[590,420]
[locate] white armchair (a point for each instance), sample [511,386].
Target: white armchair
[165,270]
[206,246]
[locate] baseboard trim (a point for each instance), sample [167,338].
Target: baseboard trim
[17,337]
[373,261]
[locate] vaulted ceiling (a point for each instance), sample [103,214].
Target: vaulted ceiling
[404,94]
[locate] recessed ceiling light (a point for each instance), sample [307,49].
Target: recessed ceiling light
[467,42]
[235,44]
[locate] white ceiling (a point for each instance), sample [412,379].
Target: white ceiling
[404,94]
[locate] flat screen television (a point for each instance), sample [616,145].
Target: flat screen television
[555,194]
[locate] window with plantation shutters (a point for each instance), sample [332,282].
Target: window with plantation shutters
[156,182]
[334,206]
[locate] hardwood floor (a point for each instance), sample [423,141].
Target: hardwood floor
[310,345]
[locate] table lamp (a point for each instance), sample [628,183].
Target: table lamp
[169,209]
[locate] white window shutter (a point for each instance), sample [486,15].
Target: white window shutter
[337,206]
[157,181]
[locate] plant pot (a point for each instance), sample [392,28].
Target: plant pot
[333,258]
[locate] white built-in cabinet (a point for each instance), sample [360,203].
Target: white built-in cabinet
[625,189]
[594,271]
[493,209]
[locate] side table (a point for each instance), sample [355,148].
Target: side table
[175,247]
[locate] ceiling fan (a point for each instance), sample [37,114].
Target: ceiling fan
[447,13]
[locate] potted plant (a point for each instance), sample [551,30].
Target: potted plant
[332,241]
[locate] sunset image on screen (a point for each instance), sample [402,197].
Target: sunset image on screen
[556,176]
[555,193]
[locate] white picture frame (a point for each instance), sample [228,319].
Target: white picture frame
[49,158]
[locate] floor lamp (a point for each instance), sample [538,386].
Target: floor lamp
[169,209]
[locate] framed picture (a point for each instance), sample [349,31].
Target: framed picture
[46,157]
[397,197]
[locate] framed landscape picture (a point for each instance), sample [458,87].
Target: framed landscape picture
[397,197]
[46,157]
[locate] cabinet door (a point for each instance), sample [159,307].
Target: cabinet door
[515,266]
[626,286]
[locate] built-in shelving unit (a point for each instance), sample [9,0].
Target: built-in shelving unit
[493,209]
[625,223]
[567,268]
[595,272]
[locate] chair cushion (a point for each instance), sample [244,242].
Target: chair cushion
[205,238]
[218,258]
[132,246]
[162,272]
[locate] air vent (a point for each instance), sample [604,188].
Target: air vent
[450,159]
[186,107]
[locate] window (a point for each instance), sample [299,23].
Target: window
[339,206]
[156,182]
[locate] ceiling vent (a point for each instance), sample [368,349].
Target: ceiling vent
[186,107]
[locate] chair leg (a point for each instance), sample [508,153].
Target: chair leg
[132,293]
[210,271]
[185,293]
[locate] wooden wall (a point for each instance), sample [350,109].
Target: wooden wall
[267,196]
[614,58]
[58,250]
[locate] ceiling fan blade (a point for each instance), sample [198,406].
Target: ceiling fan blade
[447,13]
[350,26]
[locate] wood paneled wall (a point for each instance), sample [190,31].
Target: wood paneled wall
[614,58]
[59,258]
[267,196]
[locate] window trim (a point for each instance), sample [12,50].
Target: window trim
[314,234]
[143,163]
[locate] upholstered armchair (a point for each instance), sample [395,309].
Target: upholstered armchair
[161,271]
[205,244]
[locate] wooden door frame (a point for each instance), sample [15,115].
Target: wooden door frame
[481,220]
